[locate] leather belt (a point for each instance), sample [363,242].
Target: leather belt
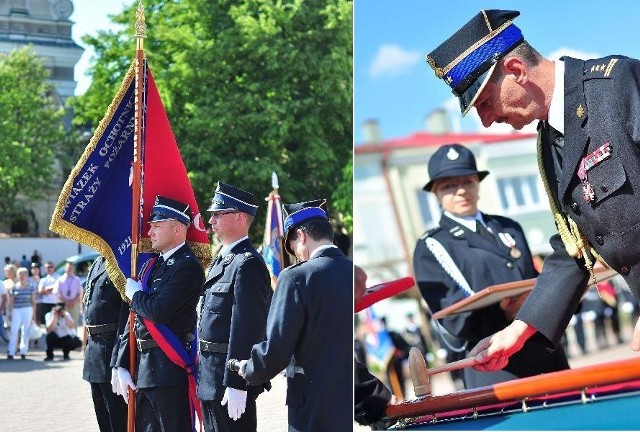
[147,344]
[215,347]
[102,328]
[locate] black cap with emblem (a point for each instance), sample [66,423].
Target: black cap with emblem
[452,160]
[467,59]
[167,208]
[228,198]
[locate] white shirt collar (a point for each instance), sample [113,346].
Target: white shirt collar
[166,255]
[319,249]
[556,108]
[227,248]
[467,221]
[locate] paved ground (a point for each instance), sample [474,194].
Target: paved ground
[34,393]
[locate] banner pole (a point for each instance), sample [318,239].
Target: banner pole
[136,203]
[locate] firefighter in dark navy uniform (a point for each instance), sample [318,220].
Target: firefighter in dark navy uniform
[588,141]
[174,286]
[233,314]
[106,314]
[309,330]
[468,252]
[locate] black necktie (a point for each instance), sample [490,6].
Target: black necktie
[484,232]
[158,263]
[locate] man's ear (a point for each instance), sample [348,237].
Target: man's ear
[515,67]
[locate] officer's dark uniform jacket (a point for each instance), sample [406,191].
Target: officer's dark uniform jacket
[311,314]
[175,287]
[482,262]
[107,313]
[602,105]
[234,311]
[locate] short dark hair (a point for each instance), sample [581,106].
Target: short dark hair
[525,52]
[317,229]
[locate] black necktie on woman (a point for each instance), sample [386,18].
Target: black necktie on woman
[484,232]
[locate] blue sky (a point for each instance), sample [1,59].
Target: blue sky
[90,16]
[393,83]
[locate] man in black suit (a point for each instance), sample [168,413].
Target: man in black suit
[169,299]
[233,314]
[309,327]
[467,252]
[106,314]
[589,117]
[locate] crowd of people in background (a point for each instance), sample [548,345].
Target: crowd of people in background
[28,295]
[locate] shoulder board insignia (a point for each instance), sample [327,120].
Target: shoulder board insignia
[456,231]
[599,68]
[429,233]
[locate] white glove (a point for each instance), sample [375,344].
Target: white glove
[115,384]
[131,288]
[237,402]
[124,382]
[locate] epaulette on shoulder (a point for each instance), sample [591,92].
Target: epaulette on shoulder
[600,68]
[429,233]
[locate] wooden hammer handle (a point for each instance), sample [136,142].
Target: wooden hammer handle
[460,364]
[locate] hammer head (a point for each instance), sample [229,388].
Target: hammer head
[419,373]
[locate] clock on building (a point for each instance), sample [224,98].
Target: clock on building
[62,9]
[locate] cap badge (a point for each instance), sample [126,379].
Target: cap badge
[439,71]
[218,201]
[452,154]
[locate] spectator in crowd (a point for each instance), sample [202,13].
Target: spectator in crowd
[35,280]
[36,259]
[61,332]
[48,298]
[22,303]
[9,277]
[69,290]
[400,355]
[24,262]
[414,336]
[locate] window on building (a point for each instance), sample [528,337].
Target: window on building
[429,208]
[521,193]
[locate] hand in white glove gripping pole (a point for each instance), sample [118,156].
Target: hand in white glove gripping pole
[124,382]
[131,288]
[236,401]
[115,384]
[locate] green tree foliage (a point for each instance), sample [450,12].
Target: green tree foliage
[250,87]
[30,130]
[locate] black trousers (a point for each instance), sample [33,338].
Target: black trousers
[111,409]
[67,343]
[163,409]
[216,417]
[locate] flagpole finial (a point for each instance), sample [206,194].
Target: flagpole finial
[274,180]
[141,25]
